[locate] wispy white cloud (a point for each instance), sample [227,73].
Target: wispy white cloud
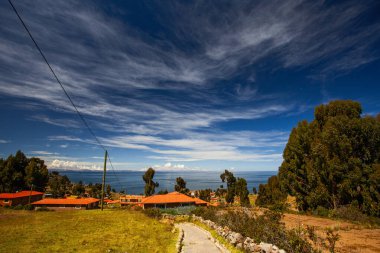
[4,141]
[169,167]
[72,165]
[44,153]
[113,71]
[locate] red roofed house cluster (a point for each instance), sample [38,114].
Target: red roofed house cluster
[170,200]
[19,198]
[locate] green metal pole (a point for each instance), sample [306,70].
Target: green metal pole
[104,179]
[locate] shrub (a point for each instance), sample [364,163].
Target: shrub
[43,209]
[331,238]
[19,207]
[321,211]
[206,213]
[263,228]
[152,212]
[353,213]
[28,207]
[136,208]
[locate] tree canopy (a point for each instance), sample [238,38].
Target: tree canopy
[180,185]
[150,185]
[228,177]
[335,159]
[235,187]
[19,173]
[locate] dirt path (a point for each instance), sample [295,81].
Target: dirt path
[197,240]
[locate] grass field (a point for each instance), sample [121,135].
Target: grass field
[83,231]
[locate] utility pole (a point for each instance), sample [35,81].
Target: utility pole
[104,179]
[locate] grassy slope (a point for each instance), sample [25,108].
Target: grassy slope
[83,231]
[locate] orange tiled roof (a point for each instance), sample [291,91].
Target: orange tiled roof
[84,201]
[200,201]
[173,197]
[114,202]
[19,194]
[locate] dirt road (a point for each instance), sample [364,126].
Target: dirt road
[197,240]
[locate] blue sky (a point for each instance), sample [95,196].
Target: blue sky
[180,85]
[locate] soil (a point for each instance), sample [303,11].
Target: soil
[353,238]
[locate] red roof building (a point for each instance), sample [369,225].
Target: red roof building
[131,200]
[171,200]
[19,198]
[62,204]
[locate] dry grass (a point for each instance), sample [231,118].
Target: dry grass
[83,231]
[353,237]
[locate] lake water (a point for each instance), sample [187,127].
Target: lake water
[132,182]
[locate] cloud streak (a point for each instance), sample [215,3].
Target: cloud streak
[170,96]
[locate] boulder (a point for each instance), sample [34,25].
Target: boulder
[235,238]
[275,249]
[266,247]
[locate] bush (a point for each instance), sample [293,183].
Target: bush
[263,228]
[178,210]
[321,211]
[152,213]
[207,213]
[353,214]
[28,207]
[136,208]
[43,209]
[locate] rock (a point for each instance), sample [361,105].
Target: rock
[239,238]
[248,241]
[231,238]
[252,247]
[281,251]
[235,238]
[239,245]
[275,249]
[265,247]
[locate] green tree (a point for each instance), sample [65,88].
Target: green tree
[59,185]
[204,194]
[271,194]
[36,173]
[79,189]
[180,185]
[228,177]
[19,173]
[333,160]
[242,191]
[150,185]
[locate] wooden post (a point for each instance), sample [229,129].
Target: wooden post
[104,179]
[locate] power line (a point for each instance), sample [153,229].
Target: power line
[114,173]
[63,88]
[56,77]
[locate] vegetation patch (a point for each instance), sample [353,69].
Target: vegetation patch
[267,228]
[84,231]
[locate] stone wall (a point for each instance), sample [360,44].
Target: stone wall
[239,241]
